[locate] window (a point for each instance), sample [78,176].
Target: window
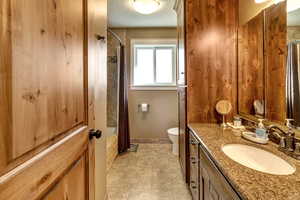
[153,64]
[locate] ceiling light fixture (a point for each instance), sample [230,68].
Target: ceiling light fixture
[146,6]
[260,1]
[263,1]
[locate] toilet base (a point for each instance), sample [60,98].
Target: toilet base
[175,149]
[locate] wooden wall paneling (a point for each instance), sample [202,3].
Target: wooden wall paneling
[251,64]
[211,57]
[72,184]
[275,61]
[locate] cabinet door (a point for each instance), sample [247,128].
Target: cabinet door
[181,41]
[46,99]
[183,135]
[213,185]
[194,166]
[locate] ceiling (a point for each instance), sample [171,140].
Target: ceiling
[122,14]
[294,18]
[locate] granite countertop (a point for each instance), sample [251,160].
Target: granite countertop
[251,184]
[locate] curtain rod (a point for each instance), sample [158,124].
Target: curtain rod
[115,36]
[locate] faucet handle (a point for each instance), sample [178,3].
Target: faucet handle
[282,143]
[290,141]
[297,148]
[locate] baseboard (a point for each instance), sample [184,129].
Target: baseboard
[151,141]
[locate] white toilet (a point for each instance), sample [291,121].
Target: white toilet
[173,134]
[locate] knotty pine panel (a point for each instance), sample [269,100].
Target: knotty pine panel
[275,61]
[251,64]
[42,73]
[211,57]
[73,184]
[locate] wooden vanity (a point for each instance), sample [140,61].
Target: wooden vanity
[206,181]
[215,176]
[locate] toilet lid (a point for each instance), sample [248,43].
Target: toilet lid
[173,131]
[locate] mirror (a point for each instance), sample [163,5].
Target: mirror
[293,61]
[262,55]
[251,67]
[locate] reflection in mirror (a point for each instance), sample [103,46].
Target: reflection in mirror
[251,67]
[293,61]
[262,54]
[275,62]
[248,9]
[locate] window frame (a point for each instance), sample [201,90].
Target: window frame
[154,44]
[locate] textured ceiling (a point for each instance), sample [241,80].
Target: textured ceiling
[122,14]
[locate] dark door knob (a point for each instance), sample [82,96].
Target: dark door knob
[95,133]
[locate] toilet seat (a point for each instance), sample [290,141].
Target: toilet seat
[173,131]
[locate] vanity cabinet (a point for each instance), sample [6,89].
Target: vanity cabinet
[213,185]
[206,180]
[194,167]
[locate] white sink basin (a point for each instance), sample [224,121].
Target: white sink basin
[258,159]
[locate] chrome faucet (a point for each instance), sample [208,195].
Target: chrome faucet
[288,142]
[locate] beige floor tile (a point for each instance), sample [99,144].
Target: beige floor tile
[152,173]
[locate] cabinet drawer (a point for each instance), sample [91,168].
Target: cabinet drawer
[194,146]
[194,180]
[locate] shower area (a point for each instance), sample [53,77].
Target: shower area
[117,103]
[293,67]
[293,82]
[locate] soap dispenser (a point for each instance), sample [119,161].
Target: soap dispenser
[261,131]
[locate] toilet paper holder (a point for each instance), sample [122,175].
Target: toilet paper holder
[140,107]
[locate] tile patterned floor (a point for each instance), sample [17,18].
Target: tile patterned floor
[152,173]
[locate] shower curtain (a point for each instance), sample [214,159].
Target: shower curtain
[123,126]
[292,82]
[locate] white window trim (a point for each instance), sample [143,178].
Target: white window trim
[133,42]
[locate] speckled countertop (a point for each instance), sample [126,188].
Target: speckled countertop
[251,184]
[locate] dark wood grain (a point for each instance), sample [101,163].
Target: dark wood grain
[275,61]
[211,57]
[250,64]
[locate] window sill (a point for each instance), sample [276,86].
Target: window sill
[154,88]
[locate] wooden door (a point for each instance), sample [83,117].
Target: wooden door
[46,101]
